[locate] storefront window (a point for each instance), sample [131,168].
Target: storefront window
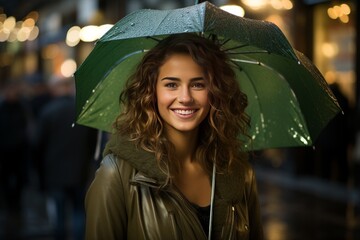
[334,45]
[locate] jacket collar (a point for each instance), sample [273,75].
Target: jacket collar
[228,186]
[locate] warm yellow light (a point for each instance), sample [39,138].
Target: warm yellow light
[276,19]
[23,34]
[68,67]
[337,10]
[255,4]
[89,33]
[4,36]
[103,29]
[234,9]
[330,49]
[34,15]
[9,23]
[344,18]
[13,35]
[332,14]
[73,36]
[345,9]
[287,4]
[340,12]
[276,4]
[330,77]
[29,23]
[34,33]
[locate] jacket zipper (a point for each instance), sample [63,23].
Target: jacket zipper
[232,213]
[188,208]
[231,218]
[153,183]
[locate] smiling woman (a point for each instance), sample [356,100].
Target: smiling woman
[176,137]
[182,95]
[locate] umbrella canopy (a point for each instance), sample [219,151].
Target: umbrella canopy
[289,100]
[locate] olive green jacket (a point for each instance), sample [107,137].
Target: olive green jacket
[125,201]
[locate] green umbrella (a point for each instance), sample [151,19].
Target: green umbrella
[289,100]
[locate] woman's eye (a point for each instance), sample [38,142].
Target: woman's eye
[198,85]
[170,85]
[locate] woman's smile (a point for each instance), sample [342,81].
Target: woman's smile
[184,113]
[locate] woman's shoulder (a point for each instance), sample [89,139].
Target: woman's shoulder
[112,167]
[113,162]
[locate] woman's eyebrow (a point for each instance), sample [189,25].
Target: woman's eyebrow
[178,79]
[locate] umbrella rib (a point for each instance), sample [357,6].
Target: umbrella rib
[251,62]
[246,61]
[223,43]
[152,38]
[88,104]
[249,52]
[122,59]
[255,90]
[236,61]
[163,20]
[237,47]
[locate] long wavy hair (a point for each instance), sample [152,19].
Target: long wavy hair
[218,138]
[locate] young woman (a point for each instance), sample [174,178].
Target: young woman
[182,115]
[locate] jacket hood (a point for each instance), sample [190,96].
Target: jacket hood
[228,186]
[140,159]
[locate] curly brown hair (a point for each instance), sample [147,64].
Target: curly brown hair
[219,133]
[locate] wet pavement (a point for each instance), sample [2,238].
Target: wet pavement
[298,208]
[293,208]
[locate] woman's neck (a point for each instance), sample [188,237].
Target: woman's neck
[185,144]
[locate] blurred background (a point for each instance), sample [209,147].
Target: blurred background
[47,162]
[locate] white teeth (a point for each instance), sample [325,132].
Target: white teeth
[184,112]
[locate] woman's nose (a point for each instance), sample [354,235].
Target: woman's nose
[185,96]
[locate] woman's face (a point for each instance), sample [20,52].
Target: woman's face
[182,94]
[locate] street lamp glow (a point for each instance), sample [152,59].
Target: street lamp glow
[234,9]
[103,29]
[255,4]
[9,23]
[73,36]
[68,67]
[34,33]
[89,33]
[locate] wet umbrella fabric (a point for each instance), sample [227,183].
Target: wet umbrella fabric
[289,101]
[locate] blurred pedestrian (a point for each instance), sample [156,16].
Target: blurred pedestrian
[14,152]
[64,155]
[331,148]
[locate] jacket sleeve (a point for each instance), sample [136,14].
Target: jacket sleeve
[106,216]
[256,230]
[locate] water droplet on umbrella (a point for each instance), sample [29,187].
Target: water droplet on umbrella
[87,101]
[93,90]
[73,125]
[132,24]
[299,62]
